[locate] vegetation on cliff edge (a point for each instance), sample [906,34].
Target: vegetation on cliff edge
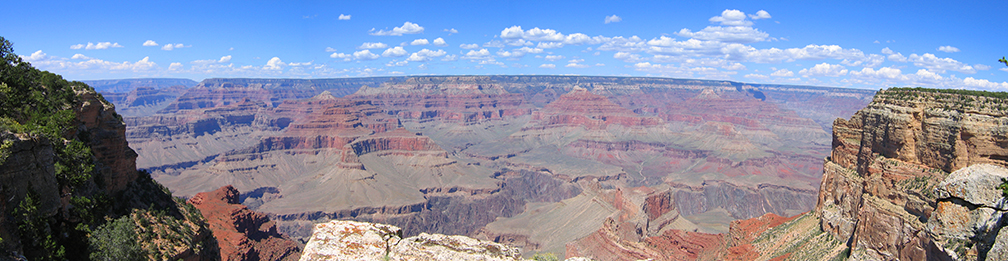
[93,223]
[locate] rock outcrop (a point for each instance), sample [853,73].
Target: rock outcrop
[351,240]
[241,233]
[878,188]
[970,219]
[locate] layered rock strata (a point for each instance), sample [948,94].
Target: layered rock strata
[878,188]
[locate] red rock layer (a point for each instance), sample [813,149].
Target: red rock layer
[618,241]
[583,108]
[241,233]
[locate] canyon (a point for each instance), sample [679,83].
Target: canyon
[511,159]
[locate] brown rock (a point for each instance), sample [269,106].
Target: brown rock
[241,233]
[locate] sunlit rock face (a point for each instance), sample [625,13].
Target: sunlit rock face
[887,188]
[351,240]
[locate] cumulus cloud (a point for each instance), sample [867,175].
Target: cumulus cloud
[473,54]
[150,43]
[547,65]
[420,42]
[43,61]
[761,14]
[782,73]
[440,42]
[425,55]
[731,34]
[406,28]
[343,56]
[94,46]
[175,66]
[394,52]
[369,45]
[274,64]
[554,57]
[948,49]
[547,35]
[824,69]
[75,56]
[756,76]
[518,53]
[469,46]
[613,19]
[940,65]
[450,58]
[330,49]
[344,17]
[731,17]
[549,45]
[365,55]
[169,47]
[451,31]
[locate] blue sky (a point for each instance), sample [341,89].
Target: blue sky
[857,44]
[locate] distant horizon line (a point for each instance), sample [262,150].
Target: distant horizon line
[463,75]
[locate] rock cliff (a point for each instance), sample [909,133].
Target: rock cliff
[878,189]
[241,233]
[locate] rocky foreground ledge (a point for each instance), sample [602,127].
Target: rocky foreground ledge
[352,240]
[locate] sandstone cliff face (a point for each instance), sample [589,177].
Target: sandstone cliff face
[878,188]
[107,135]
[241,233]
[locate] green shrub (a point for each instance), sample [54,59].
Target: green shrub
[116,240]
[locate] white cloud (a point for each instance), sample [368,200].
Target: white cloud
[549,45]
[982,67]
[369,45]
[473,54]
[627,57]
[669,70]
[98,46]
[983,83]
[731,17]
[519,42]
[534,34]
[425,55]
[468,46]
[365,55]
[440,42]
[223,59]
[450,58]
[169,47]
[43,61]
[451,31]
[274,64]
[420,42]
[345,57]
[75,56]
[394,52]
[345,17]
[761,14]
[756,76]
[932,62]
[554,57]
[150,43]
[330,49]
[894,56]
[406,28]
[175,66]
[948,49]
[518,53]
[731,34]
[824,69]
[613,19]
[547,65]
[394,63]
[734,67]
[782,73]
